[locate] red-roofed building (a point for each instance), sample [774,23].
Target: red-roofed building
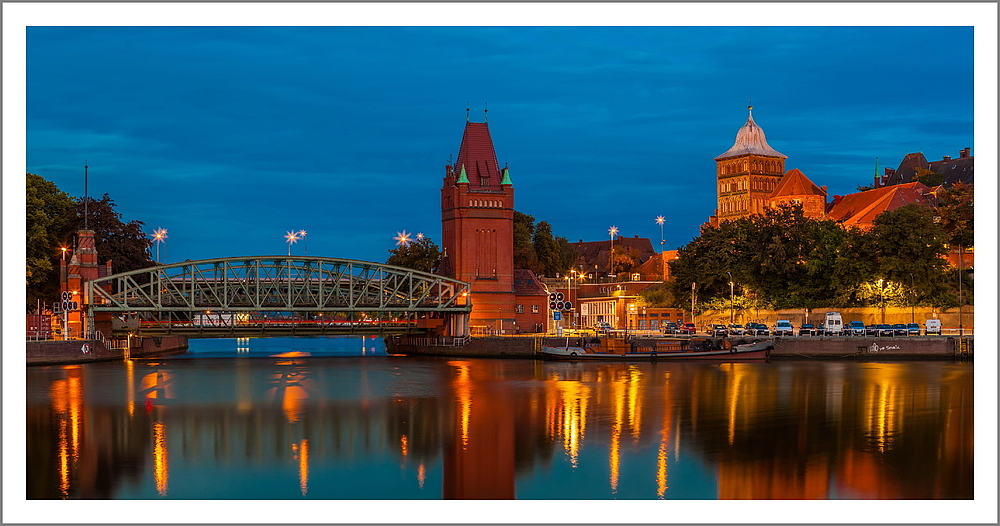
[593,256]
[861,208]
[796,189]
[477,233]
[747,173]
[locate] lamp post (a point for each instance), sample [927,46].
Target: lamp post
[961,331]
[611,254]
[158,235]
[291,237]
[732,301]
[881,305]
[911,298]
[659,221]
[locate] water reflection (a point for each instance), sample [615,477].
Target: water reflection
[384,427]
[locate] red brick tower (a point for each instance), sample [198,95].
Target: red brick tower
[82,268]
[477,228]
[747,173]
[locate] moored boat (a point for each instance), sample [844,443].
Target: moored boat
[666,350]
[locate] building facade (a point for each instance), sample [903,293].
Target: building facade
[746,174]
[477,233]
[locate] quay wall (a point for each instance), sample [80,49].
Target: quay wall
[61,352]
[830,348]
[867,315]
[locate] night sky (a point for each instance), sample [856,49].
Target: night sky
[229,137]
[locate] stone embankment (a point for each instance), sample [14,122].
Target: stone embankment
[60,352]
[830,348]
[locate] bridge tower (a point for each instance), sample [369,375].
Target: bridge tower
[477,224]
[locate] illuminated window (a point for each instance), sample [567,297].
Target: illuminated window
[534,309]
[519,309]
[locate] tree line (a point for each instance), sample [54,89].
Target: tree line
[782,259]
[53,218]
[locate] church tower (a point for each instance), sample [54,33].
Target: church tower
[747,173]
[477,228]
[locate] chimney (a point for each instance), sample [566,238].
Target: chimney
[947,158]
[823,188]
[964,153]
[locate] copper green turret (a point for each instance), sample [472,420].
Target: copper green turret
[506,176]
[462,177]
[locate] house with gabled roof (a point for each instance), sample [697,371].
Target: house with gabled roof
[860,209]
[796,189]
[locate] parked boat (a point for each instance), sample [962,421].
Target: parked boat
[663,350]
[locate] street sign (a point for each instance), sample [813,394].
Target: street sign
[556,315]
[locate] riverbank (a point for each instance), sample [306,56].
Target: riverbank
[832,348]
[65,352]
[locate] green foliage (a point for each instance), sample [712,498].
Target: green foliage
[956,213]
[928,178]
[781,259]
[125,244]
[47,213]
[524,250]
[659,295]
[547,250]
[625,259]
[422,254]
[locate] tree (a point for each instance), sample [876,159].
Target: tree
[524,250]
[422,254]
[928,178]
[547,250]
[47,213]
[956,213]
[125,244]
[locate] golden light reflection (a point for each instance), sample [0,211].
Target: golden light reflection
[130,390]
[403,446]
[160,466]
[614,455]
[634,402]
[421,475]
[463,387]
[575,396]
[734,396]
[884,415]
[301,453]
[662,454]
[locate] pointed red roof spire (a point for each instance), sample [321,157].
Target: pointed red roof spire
[478,157]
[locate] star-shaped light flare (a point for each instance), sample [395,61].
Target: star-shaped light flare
[660,220]
[403,239]
[291,237]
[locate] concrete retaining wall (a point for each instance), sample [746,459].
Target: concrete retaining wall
[58,352]
[888,348]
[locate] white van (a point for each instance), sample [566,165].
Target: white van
[932,327]
[833,323]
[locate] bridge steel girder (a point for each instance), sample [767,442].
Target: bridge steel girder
[262,284]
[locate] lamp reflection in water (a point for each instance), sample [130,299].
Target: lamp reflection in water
[614,454]
[160,465]
[421,475]
[573,416]
[463,386]
[662,454]
[67,403]
[300,452]
[634,402]
[734,396]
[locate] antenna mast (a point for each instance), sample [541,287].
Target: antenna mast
[86,195]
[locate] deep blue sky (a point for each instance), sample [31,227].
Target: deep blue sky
[230,136]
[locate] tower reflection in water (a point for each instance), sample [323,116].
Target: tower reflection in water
[502,429]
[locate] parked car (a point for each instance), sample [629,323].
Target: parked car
[884,329]
[807,329]
[687,328]
[872,330]
[932,327]
[856,328]
[784,328]
[913,329]
[668,327]
[899,329]
[757,329]
[720,331]
[833,324]
[602,327]
[736,329]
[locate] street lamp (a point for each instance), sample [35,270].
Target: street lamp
[291,237]
[659,221]
[611,254]
[158,235]
[305,247]
[911,298]
[881,300]
[732,301]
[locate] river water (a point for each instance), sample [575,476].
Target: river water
[336,418]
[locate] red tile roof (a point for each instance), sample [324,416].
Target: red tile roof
[592,253]
[861,208]
[527,284]
[478,156]
[796,183]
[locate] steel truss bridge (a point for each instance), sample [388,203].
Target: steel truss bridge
[278,295]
